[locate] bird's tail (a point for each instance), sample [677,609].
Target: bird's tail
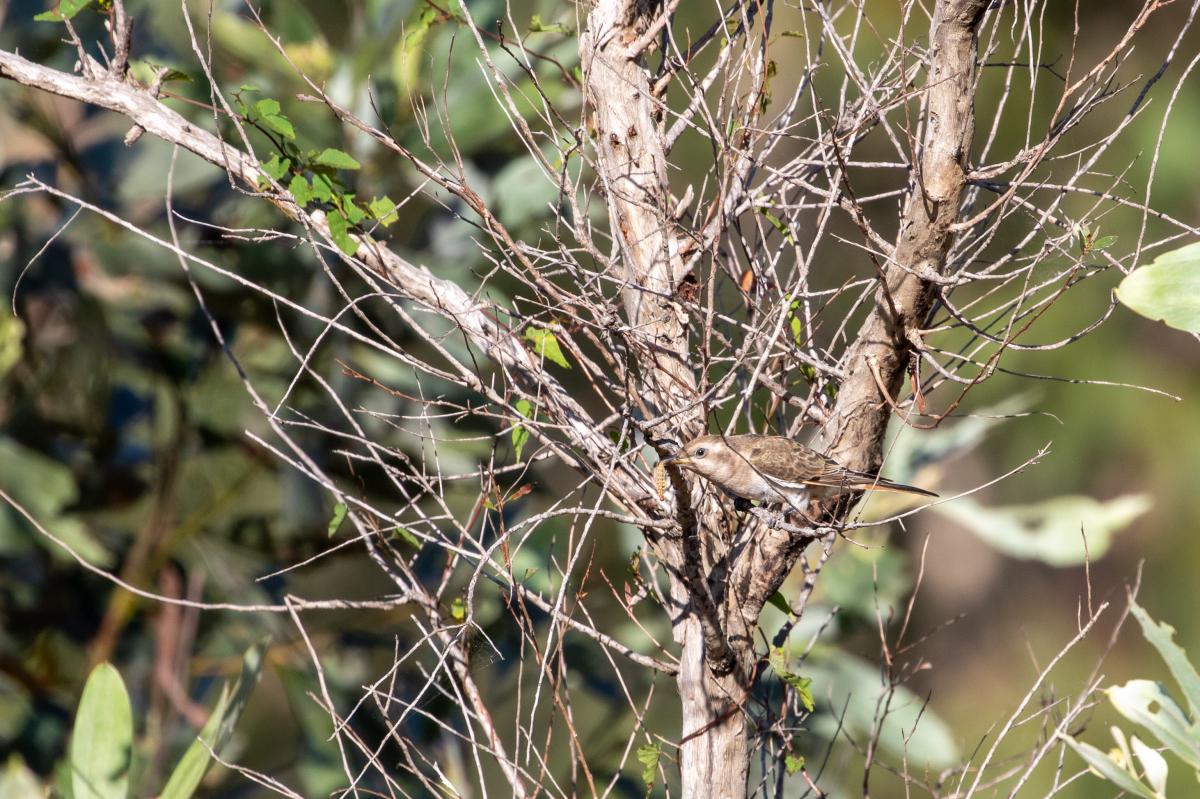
[868,482]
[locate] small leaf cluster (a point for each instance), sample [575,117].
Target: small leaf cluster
[1137,768]
[314,177]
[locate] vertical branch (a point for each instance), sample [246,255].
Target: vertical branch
[855,430]
[854,433]
[632,165]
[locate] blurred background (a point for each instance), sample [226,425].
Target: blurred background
[123,427]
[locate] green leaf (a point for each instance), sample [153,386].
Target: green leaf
[793,763]
[406,57]
[339,231]
[777,659]
[277,167]
[383,210]
[12,333]
[300,190]
[67,9]
[354,214]
[1049,531]
[778,224]
[407,537]
[266,107]
[1162,637]
[217,730]
[195,761]
[281,125]
[1154,766]
[795,324]
[102,739]
[1109,769]
[458,609]
[1167,290]
[336,159]
[545,344]
[1145,702]
[322,188]
[794,34]
[779,601]
[519,433]
[339,516]
[648,755]
[252,662]
[48,489]
[537,26]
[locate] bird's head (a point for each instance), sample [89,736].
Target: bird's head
[707,456]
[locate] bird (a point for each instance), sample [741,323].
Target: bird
[775,469]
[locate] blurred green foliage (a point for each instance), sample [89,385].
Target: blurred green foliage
[124,429]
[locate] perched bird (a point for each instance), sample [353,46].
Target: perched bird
[775,469]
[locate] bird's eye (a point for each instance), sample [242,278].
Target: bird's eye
[701,452]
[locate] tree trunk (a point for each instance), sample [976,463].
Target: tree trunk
[717,611]
[714,753]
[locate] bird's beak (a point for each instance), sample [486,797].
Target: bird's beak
[678,459]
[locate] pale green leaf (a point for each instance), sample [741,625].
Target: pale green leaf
[1154,766]
[17,781]
[1109,769]
[1051,531]
[546,344]
[102,739]
[406,536]
[802,685]
[648,755]
[520,434]
[384,210]
[339,515]
[1167,290]
[1144,702]
[1162,637]
[12,333]
[195,761]
[406,56]
[536,25]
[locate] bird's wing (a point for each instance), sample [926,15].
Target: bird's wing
[787,462]
[793,465]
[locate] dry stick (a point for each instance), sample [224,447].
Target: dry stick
[441,296]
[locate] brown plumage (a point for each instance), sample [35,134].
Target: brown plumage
[776,469]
